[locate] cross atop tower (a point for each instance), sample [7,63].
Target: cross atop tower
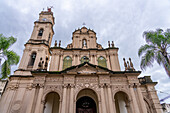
[49,8]
[84,23]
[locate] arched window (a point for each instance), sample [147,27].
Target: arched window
[84,59]
[102,62]
[40,32]
[32,59]
[67,62]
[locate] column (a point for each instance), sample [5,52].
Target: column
[56,66]
[111,107]
[63,107]
[42,107]
[73,60]
[6,105]
[29,107]
[95,59]
[100,107]
[24,60]
[71,100]
[112,60]
[103,100]
[38,104]
[52,63]
[135,104]
[108,62]
[143,106]
[61,63]
[60,105]
[79,60]
[117,62]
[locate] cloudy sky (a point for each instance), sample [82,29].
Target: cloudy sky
[121,21]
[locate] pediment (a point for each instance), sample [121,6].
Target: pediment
[87,68]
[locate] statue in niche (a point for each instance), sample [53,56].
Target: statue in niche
[84,43]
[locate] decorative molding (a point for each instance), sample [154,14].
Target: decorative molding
[87,79]
[118,79]
[69,79]
[16,106]
[104,79]
[54,79]
[53,88]
[13,86]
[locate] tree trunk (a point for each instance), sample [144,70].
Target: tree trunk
[167,67]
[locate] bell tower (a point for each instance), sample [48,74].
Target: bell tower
[37,47]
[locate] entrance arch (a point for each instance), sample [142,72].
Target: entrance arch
[87,102]
[52,103]
[86,105]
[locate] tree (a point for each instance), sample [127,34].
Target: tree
[8,56]
[156,48]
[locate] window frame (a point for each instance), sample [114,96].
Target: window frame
[102,63]
[82,61]
[67,65]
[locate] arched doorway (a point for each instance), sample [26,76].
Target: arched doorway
[87,101]
[86,105]
[52,103]
[122,103]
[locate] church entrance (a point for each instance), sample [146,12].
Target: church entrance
[86,105]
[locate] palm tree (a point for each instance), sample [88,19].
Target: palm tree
[8,56]
[156,48]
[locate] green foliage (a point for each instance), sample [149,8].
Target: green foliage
[156,48]
[5,70]
[10,57]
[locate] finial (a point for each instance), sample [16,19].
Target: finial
[125,64]
[109,44]
[55,43]
[131,65]
[112,44]
[49,8]
[128,66]
[59,43]
[43,9]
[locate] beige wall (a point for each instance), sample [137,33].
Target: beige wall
[111,56]
[26,94]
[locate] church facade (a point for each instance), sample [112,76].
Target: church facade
[84,77]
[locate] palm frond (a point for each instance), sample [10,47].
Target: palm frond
[144,48]
[5,70]
[159,58]
[5,42]
[12,57]
[147,59]
[12,40]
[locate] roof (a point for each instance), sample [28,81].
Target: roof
[83,64]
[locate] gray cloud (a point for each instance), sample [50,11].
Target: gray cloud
[120,21]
